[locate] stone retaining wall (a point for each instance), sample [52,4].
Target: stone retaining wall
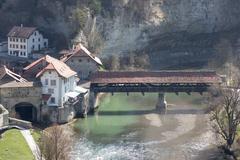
[3,117]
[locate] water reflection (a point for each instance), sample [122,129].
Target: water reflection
[129,128]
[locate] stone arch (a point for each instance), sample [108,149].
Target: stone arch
[26,111]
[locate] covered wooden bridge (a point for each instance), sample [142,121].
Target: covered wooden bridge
[159,81]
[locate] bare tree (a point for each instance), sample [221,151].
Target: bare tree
[55,144]
[225,103]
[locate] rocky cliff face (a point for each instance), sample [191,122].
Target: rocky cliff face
[172,31]
[167,28]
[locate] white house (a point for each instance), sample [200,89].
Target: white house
[22,41]
[57,79]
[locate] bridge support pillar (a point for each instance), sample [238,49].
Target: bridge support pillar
[162,103]
[92,104]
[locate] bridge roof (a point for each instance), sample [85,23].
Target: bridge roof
[208,77]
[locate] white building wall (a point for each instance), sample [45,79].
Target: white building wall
[62,86]
[51,75]
[35,42]
[17,47]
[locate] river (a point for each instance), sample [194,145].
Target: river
[128,128]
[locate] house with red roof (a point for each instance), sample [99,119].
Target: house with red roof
[82,61]
[58,80]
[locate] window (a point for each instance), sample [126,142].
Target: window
[53,82]
[10,45]
[24,40]
[24,53]
[33,47]
[13,39]
[16,45]
[39,47]
[46,81]
[51,91]
[11,52]
[13,46]
[16,39]
[38,39]
[24,47]
[33,40]
[52,100]
[21,46]
[80,60]
[50,72]
[35,33]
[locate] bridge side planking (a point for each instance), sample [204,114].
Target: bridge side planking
[160,81]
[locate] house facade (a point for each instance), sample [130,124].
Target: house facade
[57,86]
[20,97]
[22,41]
[56,77]
[82,61]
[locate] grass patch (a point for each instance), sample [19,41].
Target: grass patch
[14,147]
[36,135]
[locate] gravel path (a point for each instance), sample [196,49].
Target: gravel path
[32,144]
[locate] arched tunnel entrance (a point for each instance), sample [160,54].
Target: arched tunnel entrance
[26,111]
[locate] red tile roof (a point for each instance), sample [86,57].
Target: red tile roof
[52,64]
[80,51]
[21,32]
[208,77]
[4,71]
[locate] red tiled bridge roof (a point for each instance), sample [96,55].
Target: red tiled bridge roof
[207,77]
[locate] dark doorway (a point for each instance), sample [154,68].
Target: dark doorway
[26,111]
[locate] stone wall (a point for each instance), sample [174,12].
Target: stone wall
[20,123]
[63,114]
[11,96]
[3,117]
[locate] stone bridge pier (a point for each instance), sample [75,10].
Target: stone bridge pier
[92,102]
[162,103]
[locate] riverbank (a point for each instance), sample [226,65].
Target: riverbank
[14,147]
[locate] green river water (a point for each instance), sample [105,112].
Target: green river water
[128,128]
